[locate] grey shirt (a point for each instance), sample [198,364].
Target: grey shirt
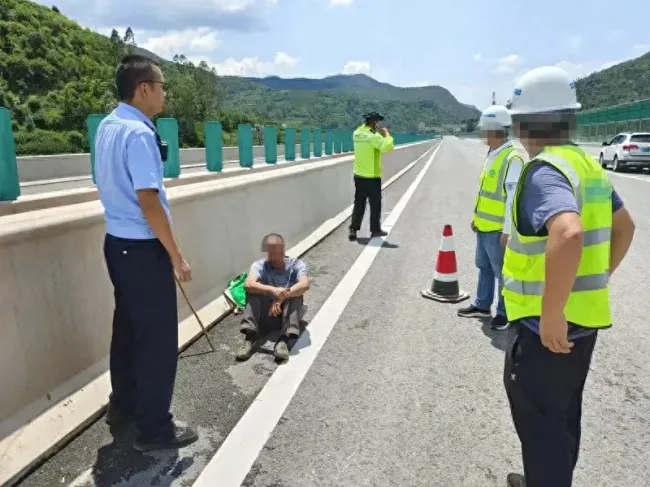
[268,275]
[547,192]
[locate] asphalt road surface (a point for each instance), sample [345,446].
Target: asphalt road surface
[385,388]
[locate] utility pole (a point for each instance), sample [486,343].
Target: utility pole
[494,95]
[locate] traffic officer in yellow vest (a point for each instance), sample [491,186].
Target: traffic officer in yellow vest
[491,221]
[570,232]
[370,142]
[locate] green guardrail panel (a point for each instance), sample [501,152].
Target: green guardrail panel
[305,143]
[214,146]
[329,142]
[9,182]
[318,143]
[270,145]
[245,144]
[338,142]
[92,124]
[290,144]
[168,132]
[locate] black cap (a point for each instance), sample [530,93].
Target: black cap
[373,117]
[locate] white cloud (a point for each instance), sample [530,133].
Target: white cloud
[508,63]
[580,70]
[251,66]
[236,15]
[643,48]
[341,2]
[477,57]
[199,40]
[357,67]
[420,84]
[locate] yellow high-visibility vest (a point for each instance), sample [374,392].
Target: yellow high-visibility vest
[524,264]
[368,148]
[490,209]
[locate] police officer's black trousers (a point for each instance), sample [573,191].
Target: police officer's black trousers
[545,394]
[144,346]
[366,189]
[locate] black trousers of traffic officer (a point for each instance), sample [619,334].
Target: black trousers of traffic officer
[545,394]
[366,189]
[144,346]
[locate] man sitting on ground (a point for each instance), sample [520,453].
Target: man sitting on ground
[275,287]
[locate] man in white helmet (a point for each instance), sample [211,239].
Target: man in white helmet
[491,221]
[570,232]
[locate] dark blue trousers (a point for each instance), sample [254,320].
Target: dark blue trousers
[545,394]
[144,345]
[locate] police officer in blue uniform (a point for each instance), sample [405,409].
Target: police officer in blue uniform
[141,256]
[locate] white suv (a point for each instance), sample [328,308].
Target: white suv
[627,150]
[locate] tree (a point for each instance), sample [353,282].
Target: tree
[55,9]
[129,40]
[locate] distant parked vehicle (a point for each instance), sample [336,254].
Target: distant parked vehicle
[626,150]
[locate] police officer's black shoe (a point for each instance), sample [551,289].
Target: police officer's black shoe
[380,233]
[352,236]
[516,480]
[181,437]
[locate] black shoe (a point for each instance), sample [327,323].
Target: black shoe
[516,480]
[499,323]
[352,236]
[380,233]
[117,417]
[182,436]
[472,311]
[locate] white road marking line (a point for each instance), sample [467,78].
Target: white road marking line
[232,462]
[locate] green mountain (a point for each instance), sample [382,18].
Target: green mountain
[624,82]
[340,101]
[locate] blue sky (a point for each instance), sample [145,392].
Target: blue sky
[470,47]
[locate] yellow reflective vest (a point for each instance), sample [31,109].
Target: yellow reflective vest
[490,209]
[525,259]
[368,148]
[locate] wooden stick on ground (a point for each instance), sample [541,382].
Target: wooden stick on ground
[196,315]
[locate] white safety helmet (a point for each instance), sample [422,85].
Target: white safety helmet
[495,117]
[544,89]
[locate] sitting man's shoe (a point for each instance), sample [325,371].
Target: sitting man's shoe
[281,351]
[499,323]
[181,437]
[292,332]
[380,233]
[246,348]
[516,480]
[352,236]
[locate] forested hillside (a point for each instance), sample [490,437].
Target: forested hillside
[53,74]
[624,82]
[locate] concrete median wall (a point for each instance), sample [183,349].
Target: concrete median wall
[37,168]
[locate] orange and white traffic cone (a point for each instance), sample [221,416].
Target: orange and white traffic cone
[444,288]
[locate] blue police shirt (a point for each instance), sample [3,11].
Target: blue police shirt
[127,159]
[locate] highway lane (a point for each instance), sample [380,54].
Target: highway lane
[212,390]
[403,392]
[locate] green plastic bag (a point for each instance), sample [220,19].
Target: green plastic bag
[236,292]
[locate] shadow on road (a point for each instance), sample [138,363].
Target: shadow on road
[498,339]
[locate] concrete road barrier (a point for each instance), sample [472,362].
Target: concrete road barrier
[38,168]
